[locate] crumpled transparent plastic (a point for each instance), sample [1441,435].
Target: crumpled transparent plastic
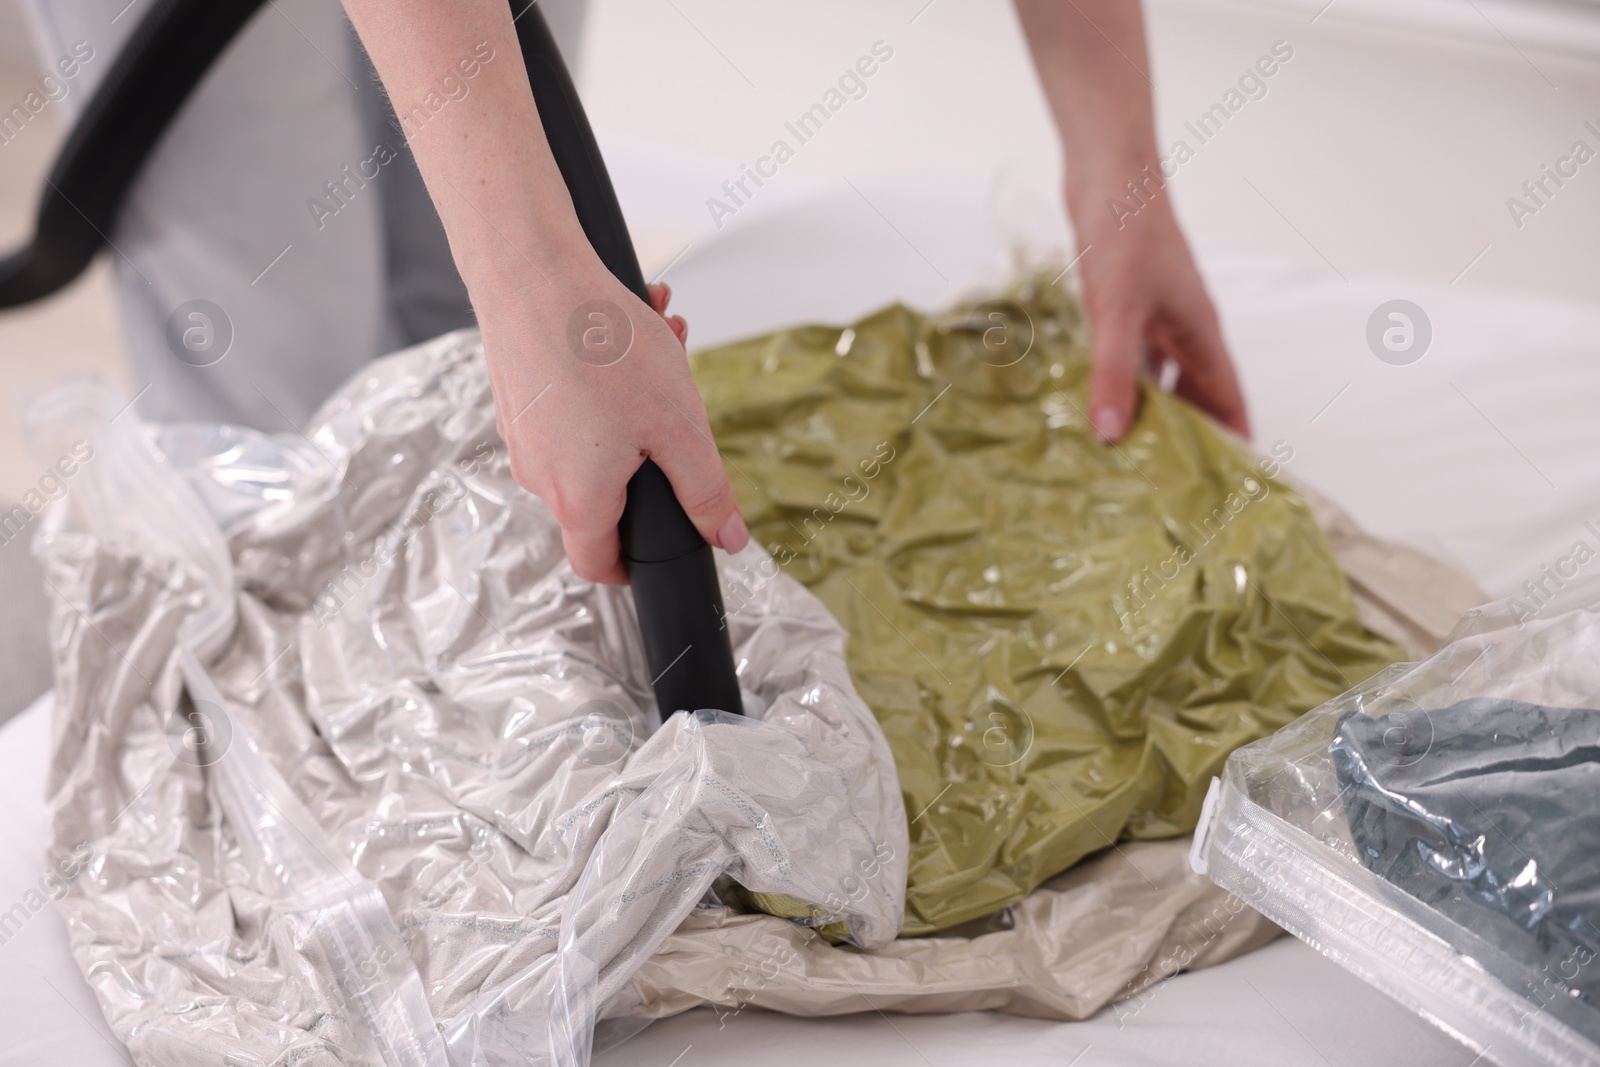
[1433,830]
[1063,641]
[366,774]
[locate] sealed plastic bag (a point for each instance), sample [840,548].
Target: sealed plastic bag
[1435,831]
[373,777]
[1062,640]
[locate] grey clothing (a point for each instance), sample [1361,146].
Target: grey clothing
[280,236]
[1484,811]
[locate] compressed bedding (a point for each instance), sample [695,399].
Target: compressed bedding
[1062,641]
[1104,933]
[374,779]
[396,778]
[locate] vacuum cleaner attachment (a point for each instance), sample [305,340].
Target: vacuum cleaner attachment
[674,577]
[675,586]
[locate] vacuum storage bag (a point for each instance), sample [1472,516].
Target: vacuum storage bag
[1062,640]
[1434,830]
[360,772]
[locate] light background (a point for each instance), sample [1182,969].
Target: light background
[1380,161]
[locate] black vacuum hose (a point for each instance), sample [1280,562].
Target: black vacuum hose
[670,566]
[674,576]
[163,60]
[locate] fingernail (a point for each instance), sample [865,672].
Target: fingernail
[1108,422]
[733,535]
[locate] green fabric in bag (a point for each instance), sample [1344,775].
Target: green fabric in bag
[1063,640]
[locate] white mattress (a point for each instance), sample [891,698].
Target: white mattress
[1482,451]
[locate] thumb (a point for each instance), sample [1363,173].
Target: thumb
[1114,374]
[694,467]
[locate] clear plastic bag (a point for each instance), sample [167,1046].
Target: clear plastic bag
[1436,830]
[367,775]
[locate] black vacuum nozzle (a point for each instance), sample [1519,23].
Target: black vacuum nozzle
[679,600]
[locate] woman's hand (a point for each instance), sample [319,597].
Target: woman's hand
[1147,306]
[588,382]
[1141,289]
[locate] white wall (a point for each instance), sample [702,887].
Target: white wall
[1390,142]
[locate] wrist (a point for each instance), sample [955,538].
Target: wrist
[1105,197]
[541,288]
[1096,172]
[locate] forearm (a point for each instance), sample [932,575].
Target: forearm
[1092,63]
[531,272]
[478,143]
[1145,300]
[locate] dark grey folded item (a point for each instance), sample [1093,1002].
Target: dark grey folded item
[1488,811]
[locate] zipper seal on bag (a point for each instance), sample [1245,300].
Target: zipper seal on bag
[1198,862]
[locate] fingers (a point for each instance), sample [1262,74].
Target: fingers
[579,449]
[691,462]
[595,555]
[1114,376]
[660,296]
[1208,381]
[1180,323]
[1191,334]
[586,494]
[694,467]
[587,501]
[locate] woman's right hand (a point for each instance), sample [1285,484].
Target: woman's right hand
[588,383]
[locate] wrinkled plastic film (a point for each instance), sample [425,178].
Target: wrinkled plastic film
[1431,830]
[1484,810]
[342,921]
[131,498]
[128,494]
[439,742]
[1062,641]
